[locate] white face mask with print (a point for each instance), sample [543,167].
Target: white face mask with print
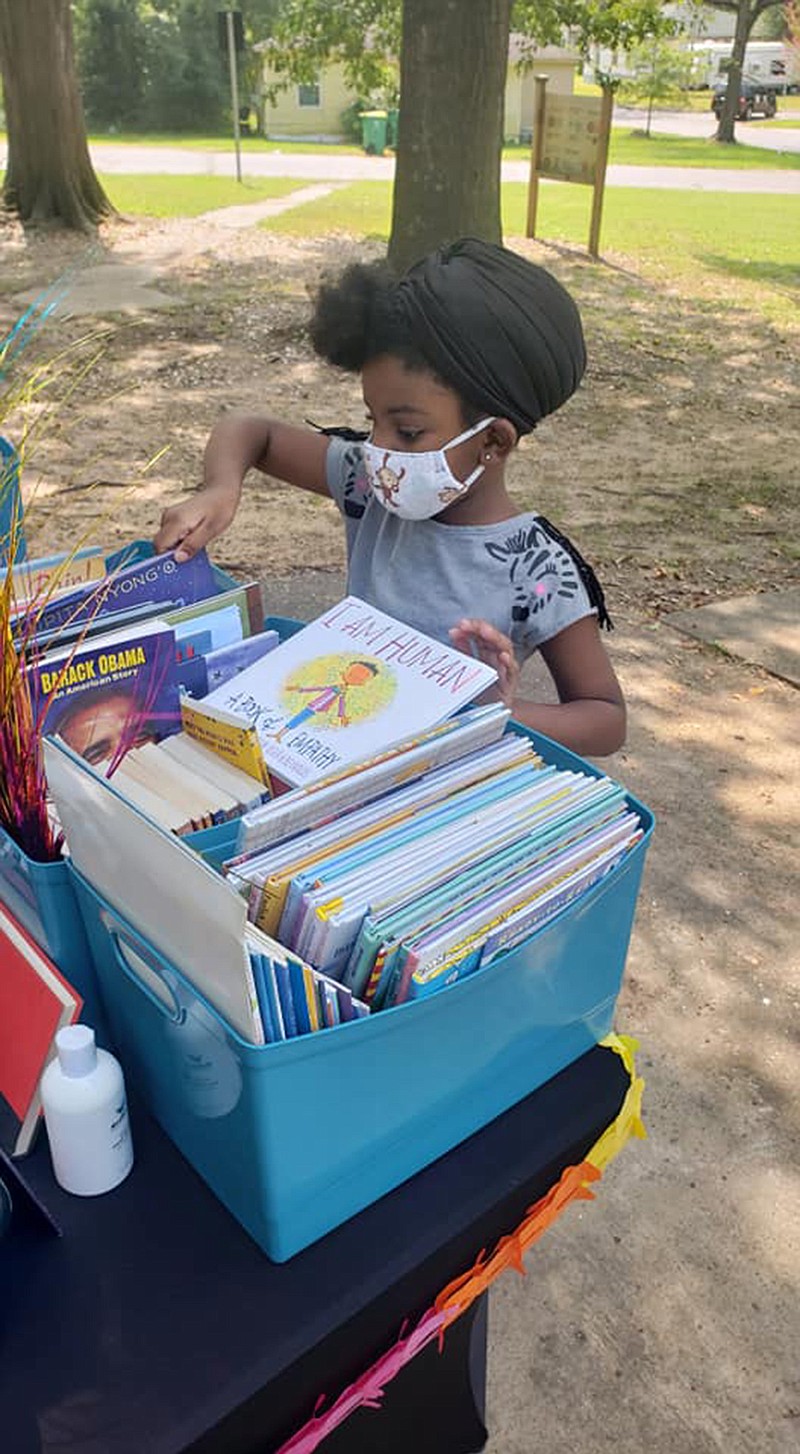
[417,486]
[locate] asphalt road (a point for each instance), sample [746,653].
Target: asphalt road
[341,167]
[329,166]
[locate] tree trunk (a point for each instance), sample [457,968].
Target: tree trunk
[744,24]
[452,87]
[49,175]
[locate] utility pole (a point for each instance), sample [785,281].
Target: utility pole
[232,36]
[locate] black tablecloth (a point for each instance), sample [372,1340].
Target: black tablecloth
[155,1325]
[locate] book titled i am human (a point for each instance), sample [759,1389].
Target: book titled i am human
[351,683]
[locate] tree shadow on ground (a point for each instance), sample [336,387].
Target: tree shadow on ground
[781,275]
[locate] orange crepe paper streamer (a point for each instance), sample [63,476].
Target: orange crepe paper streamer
[573,1185]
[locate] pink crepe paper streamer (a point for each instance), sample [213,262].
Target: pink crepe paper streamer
[368,1390]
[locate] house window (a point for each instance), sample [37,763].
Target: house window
[308,95]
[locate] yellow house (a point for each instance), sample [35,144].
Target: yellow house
[314,112]
[550,60]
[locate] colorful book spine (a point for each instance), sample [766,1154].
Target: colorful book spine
[286,998]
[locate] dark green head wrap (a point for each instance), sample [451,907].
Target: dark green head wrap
[501,331]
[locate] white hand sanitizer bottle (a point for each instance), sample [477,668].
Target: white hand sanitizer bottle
[86,1115]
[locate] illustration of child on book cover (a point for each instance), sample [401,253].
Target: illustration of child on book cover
[336,691]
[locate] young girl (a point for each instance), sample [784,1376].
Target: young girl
[458,358]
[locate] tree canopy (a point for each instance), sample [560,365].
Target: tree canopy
[157,65]
[307,34]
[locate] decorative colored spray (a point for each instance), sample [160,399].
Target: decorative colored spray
[48,385]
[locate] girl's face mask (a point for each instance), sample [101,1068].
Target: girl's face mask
[418,486]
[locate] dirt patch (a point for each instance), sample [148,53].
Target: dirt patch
[673,468]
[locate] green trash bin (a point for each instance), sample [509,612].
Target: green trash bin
[392,118]
[373,132]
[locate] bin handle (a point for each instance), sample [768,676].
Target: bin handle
[124,938]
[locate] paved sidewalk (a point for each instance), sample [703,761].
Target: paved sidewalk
[129,284]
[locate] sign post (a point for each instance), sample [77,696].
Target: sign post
[601,161]
[570,144]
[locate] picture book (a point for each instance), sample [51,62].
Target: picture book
[246,599]
[268,875]
[32,579]
[349,685]
[209,766]
[532,898]
[205,668]
[110,692]
[228,735]
[192,799]
[158,579]
[35,1001]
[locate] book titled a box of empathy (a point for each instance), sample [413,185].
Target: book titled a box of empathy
[346,686]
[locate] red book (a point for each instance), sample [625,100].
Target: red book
[35,1001]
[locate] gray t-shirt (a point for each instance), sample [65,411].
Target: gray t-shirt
[513,574]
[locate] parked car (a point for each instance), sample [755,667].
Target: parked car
[755,99]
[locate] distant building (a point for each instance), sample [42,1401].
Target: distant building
[314,112]
[700,22]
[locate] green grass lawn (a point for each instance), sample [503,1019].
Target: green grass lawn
[166,196]
[221,143]
[631,148]
[687,236]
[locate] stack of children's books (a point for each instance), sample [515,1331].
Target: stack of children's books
[431,876]
[118,652]
[390,835]
[378,886]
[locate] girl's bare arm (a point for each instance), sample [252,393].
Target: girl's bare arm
[238,443]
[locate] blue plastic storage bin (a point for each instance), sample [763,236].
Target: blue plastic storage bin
[42,897]
[10,502]
[297,1137]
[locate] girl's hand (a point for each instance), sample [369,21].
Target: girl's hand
[188,526]
[478,638]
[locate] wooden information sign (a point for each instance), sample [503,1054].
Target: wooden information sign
[570,144]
